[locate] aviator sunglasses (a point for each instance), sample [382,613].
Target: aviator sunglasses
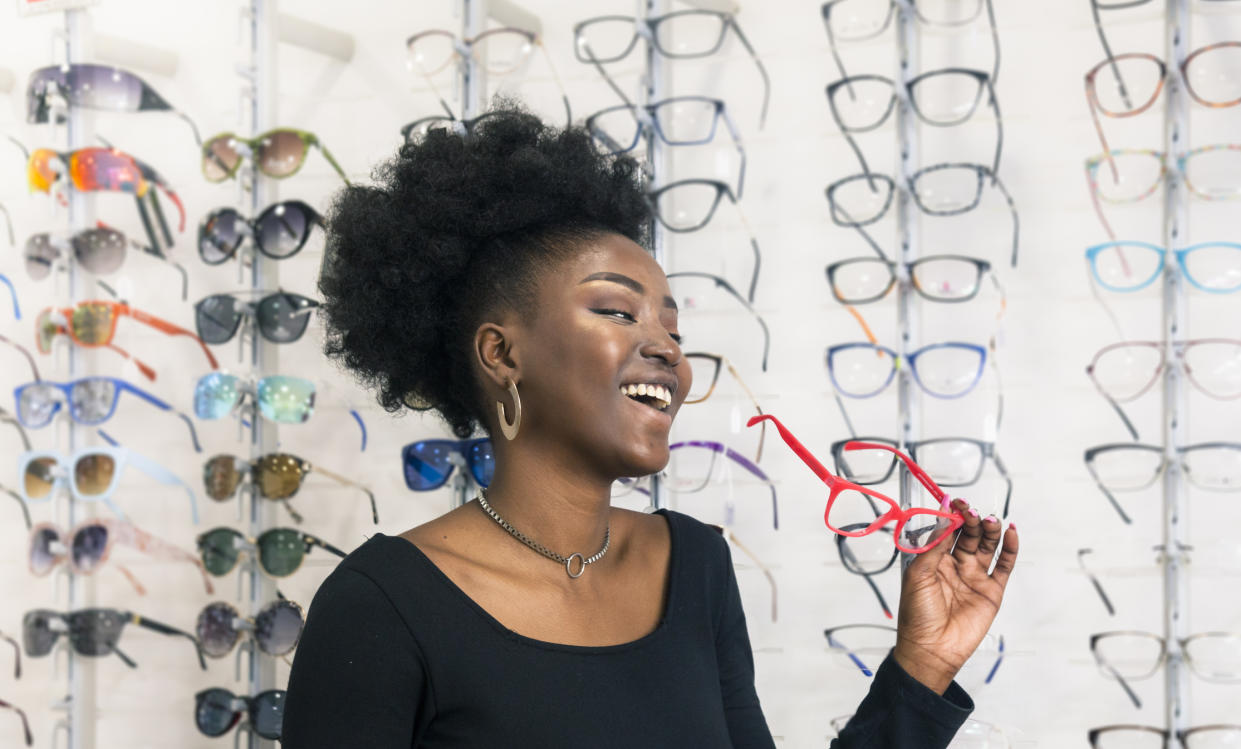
[280,551]
[278,153]
[279,232]
[276,476]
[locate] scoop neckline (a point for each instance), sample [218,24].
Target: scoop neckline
[673,568]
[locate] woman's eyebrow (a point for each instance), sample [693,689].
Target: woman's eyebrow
[627,282]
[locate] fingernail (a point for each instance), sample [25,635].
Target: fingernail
[992,519]
[973,512]
[1012,526]
[943,505]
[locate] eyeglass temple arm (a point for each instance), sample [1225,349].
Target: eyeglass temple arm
[166,327]
[22,715]
[155,252]
[164,476]
[1012,208]
[913,467]
[736,136]
[1093,105]
[999,126]
[999,658]
[361,425]
[142,366]
[758,473]
[1107,52]
[6,417]
[564,95]
[17,655]
[197,137]
[1008,483]
[758,255]
[160,549]
[315,541]
[8,222]
[1133,697]
[331,160]
[845,551]
[347,482]
[149,398]
[798,449]
[17,310]
[762,430]
[34,370]
[167,630]
[1094,581]
[15,495]
[762,69]
[728,536]
[837,645]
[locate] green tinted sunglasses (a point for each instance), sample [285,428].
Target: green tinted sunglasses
[280,550]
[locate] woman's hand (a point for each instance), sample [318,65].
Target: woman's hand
[948,600]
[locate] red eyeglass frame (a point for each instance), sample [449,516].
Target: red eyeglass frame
[895,513]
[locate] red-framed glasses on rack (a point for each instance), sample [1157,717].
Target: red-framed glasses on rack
[918,529]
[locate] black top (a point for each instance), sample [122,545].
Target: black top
[394,654]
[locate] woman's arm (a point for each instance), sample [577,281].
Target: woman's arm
[900,712]
[358,676]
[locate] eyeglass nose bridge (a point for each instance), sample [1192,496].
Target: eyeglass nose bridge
[242,624]
[57,547]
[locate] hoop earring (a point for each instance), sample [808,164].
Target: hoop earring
[510,430]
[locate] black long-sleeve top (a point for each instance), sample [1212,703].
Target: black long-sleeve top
[395,655]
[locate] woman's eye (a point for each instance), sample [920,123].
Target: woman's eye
[676,337]
[615,313]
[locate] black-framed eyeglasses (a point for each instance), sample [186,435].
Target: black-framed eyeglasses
[91,632]
[950,461]
[947,189]
[726,286]
[941,98]
[936,278]
[605,39]
[676,120]
[1131,467]
[858,20]
[1197,737]
[868,556]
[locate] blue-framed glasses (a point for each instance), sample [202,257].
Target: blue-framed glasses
[17,311]
[90,474]
[89,400]
[429,463]
[1213,267]
[866,645]
[942,370]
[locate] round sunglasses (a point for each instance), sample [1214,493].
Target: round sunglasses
[217,710]
[279,232]
[281,551]
[276,629]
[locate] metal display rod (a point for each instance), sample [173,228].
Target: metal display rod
[1176,221]
[906,235]
[7,80]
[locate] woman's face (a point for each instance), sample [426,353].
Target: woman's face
[605,322]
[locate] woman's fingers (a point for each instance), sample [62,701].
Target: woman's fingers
[971,531]
[990,540]
[1008,556]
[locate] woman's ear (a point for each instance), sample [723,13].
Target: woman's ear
[494,348]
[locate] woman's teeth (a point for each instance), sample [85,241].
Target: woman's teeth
[656,396]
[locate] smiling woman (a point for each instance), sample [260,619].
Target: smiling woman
[499,278]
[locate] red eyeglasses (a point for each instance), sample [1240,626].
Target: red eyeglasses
[918,529]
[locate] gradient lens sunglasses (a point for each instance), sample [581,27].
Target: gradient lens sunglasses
[277,476]
[89,401]
[92,324]
[101,251]
[91,632]
[280,551]
[279,232]
[217,710]
[90,474]
[280,398]
[278,153]
[429,463]
[275,629]
[93,86]
[88,546]
[280,317]
[917,530]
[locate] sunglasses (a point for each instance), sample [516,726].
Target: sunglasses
[275,629]
[277,476]
[89,545]
[429,463]
[279,232]
[917,530]
[280,317]
[93,325]
[280,398]
[217,710]
[91,475]
[91,632]
[100,250]
[88,400]
[278,153]
[281,551]
[680,35]
[93,86]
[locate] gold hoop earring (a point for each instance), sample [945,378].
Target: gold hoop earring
[510,430]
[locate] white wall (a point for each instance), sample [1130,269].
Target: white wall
[1048,692]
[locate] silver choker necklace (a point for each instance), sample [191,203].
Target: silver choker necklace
[568,562]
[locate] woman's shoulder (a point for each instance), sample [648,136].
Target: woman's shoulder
[694,537]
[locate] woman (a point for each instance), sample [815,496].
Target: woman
[498,277]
